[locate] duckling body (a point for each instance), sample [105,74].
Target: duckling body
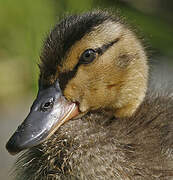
[92,118]
[99,146]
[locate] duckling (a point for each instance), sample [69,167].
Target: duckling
[93,117]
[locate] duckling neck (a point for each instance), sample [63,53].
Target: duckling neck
[99,145]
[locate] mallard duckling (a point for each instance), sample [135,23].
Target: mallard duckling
[92,118]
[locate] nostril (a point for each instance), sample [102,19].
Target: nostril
[47,105]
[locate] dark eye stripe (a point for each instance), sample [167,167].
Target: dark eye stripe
[105,47]
[67,76]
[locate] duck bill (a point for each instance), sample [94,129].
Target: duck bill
[41,123]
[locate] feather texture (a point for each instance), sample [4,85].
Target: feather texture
[99,146]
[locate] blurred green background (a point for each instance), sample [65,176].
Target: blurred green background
[23,27]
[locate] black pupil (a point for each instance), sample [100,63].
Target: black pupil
[88,56]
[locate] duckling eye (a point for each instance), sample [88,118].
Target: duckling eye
[88,56]
[47,105]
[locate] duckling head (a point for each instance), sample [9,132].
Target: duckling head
[89,62]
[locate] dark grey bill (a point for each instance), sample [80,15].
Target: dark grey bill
[48,112]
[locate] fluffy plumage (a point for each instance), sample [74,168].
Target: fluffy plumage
[123,134]
[63,36]
[98,146]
